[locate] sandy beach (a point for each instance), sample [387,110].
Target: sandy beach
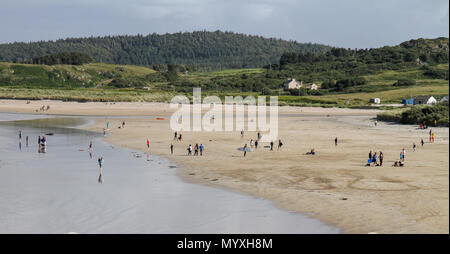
[333,186]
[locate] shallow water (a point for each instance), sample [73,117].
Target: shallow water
[58,192]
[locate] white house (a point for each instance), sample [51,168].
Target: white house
[292,84]
[375,100]
[428,100]
[312,87]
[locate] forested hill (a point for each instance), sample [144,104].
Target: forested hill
[206,50]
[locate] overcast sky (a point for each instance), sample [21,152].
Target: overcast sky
[342,23]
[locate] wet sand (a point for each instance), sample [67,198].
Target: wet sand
[333,186]
[58,192]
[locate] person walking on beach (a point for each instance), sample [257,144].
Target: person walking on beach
[175,136]
[374,159]
[196,150]
[280,144]
[422,142]
[335,141]
[242,133]
[252,143]
[123,124]
[370,154]
[414,147]
[180,137]
[100,164]
[26,140]
[171,148]
[39,141]
[201,149]
[20,136]
[190,149]
[401,156]
[432,137]
[245,150]
[271,145]
[256,144]
[259,135]
[107,124]
[381,158]
[148,144]
[404,153]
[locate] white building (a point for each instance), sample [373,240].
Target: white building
[292,84]
[312,87]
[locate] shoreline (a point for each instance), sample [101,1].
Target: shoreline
[335,190]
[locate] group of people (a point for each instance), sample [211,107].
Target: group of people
[43,108]
[375,159]
[197,149]
[177,136]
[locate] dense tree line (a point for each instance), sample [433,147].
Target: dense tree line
[206,50]
[72,58]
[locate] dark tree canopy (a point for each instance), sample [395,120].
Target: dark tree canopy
[206,50]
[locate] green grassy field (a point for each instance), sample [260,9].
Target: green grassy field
[107,82]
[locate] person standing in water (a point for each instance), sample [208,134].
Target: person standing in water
[100,164]
[171,148]
[90,150]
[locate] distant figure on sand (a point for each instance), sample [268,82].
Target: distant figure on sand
[335,141]
[256,144]
[280,144]
[175,136]
[196,150]
[414,147]
[100,164]
[201,149]
[422,142]
[107,124]
[271,145]
[26,140]
[432,137]
[148,144]
[370,155]
[242,133]
[189,149]
[398,164]
[252,144]
[381,158]
[312,152]
[171,148]
[259,135]
[245,150]
[123,124]
[180,137]
[20,136]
